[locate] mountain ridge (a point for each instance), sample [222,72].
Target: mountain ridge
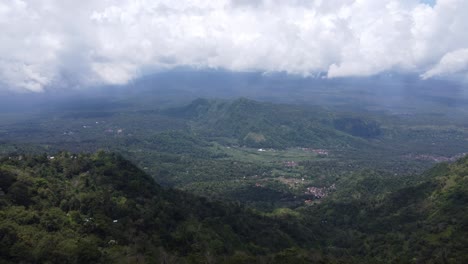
[259,124]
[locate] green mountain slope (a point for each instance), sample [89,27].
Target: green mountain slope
[101,208]
[424,222]
[257,124]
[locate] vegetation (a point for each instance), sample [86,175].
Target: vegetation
[100,208]
[264,155]
[254,182]
[256,124]
[358,127]
[422,223]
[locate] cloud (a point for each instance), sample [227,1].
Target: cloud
[46,43]
[452,62]
[113,73]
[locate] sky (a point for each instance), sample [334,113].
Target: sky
[70,44]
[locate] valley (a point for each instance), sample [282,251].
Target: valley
[331,183]
[265,155]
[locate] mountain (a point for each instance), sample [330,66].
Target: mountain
[258,124]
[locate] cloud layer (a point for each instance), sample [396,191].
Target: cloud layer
[60,43]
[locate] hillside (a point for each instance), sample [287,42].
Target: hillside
[100,208]
[424,222]
[257,124]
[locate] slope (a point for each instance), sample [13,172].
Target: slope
[375,221]
[257,124]
[101,208]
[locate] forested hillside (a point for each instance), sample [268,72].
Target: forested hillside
[257,124]
[100,208]
[424,222]
[72,208]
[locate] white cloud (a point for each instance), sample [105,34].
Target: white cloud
[111,41]
[113,73]
[452,62]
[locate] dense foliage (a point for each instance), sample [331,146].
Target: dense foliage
[424,222]
[258,124]
[358,127]
[100,208]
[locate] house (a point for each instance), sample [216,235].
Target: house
[320,151]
